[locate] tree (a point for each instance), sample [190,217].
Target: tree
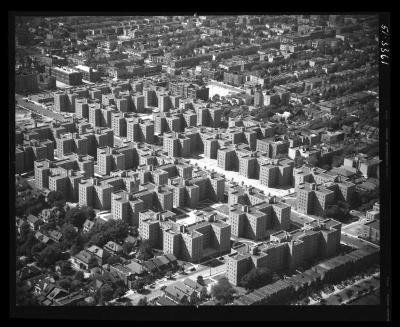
[145,250]
[26,247]
[76,217]
[113,259]
[106,292]
[312,161]
[23,297]
[118,231]
[69,233]
[200,280]
[112,230]
[79,275]
[98,239]
[38,247]
[127,247]
[75,285]
[142,301]
[66,268]
[135,232]
[88,212]
[333,211]
[24,230]
[50,255]
[19,264]
[92,263]
[55,199]
[120,289]
[64,283]
[256,278]
[58,214]
[223,291]
[138,284]
[76,248]
[337,160]
[299,161]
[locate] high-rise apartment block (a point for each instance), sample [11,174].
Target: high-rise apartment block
[254,221]
[288,249]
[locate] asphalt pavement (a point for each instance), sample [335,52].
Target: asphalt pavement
[19,101]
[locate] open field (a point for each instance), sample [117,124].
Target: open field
[213,164]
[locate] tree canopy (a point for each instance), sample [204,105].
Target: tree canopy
[256,278]
[200,280]
[223,291]
[69,233]
[112,230]
[128,247]
[56,199]
[77,216]
[145,250]
[50,255]
[106,292]
[142,301]
[113,259]
[28,242]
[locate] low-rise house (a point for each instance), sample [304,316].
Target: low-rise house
[98,253]
[371,231]
[18,223]
[45,214]
[95,285]
[135,267]
[201,290]
[121,272]
[44,286]
[55,235]
[131,239]
[164,300]
[57,293]
[81,260]
[69,299]
[42,238]
[88,225]
[40,299]
[180,293]
[165,263]
[33,222]
[150,266]
[27,272]
[159,264]
[113,248]
[30,282]
[96,272]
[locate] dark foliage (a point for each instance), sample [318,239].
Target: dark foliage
[223,291]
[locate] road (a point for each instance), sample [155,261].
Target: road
[354,241]
[354,228]
[213,164]
[299,218]
[342,292]
[156,292]
[19,102]
[221,89]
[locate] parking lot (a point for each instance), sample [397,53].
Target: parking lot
[355,228]
[353,291]
[346,291]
